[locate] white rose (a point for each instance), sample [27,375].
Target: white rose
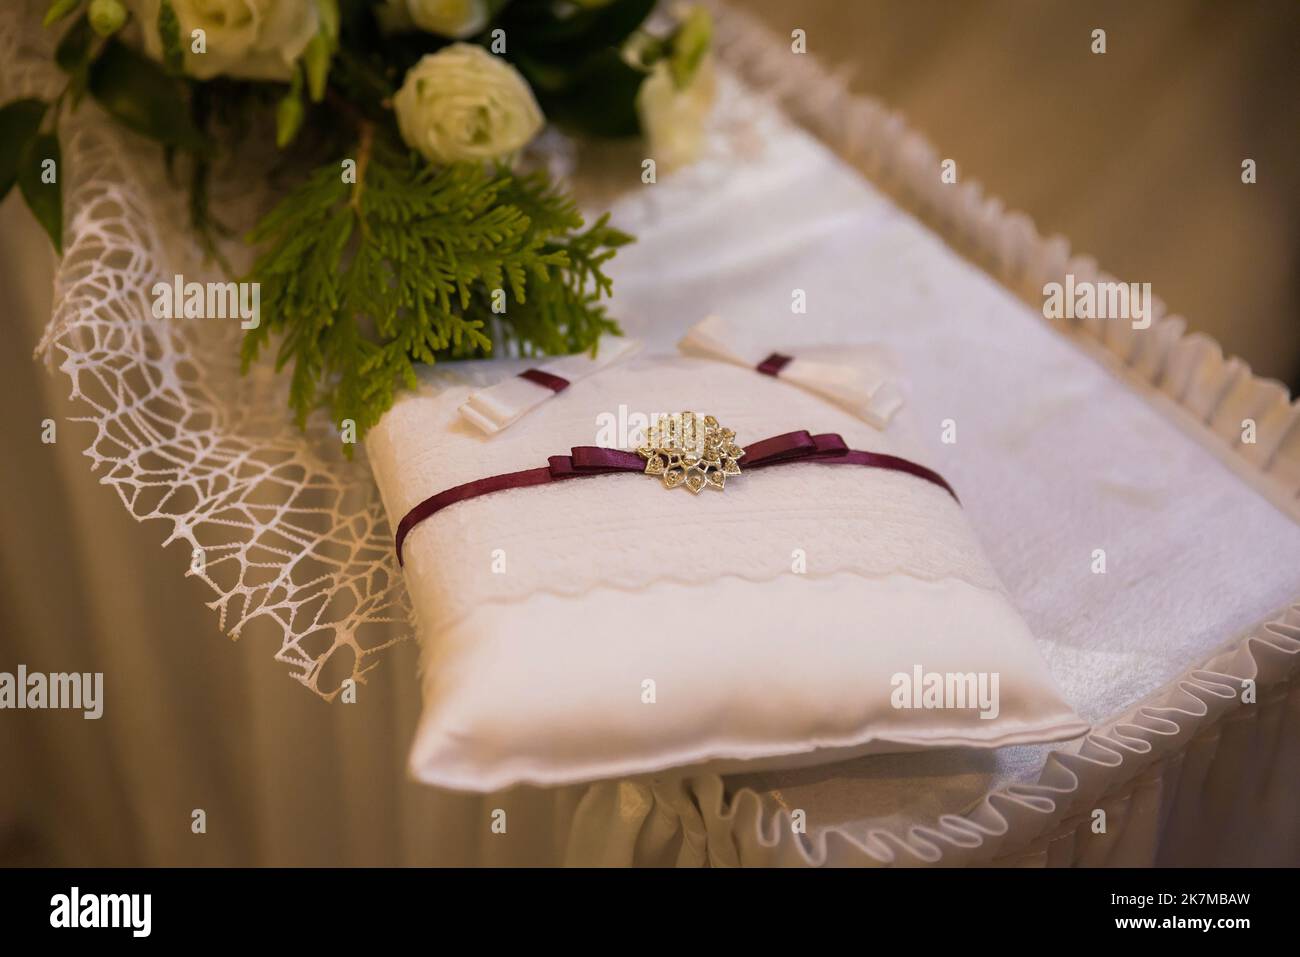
[672,119]
[447,18]
[249,39]
[463,103]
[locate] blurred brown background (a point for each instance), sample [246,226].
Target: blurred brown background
[1134,155]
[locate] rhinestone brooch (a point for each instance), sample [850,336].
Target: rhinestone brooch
[691,450]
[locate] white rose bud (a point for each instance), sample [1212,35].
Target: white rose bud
[673,119]
[463,103]
[249,39]
[106,16]
[447,18]
[456,19]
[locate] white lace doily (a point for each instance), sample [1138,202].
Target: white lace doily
[287,533]
[280,525]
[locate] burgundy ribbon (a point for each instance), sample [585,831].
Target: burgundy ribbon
[828,449]
[773,364]
[553,382]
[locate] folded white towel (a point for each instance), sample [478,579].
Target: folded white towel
[607,626]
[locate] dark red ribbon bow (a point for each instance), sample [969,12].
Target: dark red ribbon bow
[828,449]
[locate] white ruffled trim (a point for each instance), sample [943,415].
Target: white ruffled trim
[1023,820]
[1206,392]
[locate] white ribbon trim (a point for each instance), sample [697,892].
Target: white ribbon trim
[865,388]
[494,408]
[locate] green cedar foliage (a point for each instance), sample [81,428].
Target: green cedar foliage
[361,281]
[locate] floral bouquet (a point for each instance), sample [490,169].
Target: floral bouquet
[410,230]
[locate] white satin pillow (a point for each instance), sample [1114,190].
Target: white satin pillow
[606,626]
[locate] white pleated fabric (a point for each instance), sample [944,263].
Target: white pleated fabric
[867,386]
[497,406]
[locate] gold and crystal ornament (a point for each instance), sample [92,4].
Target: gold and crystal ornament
[691,450]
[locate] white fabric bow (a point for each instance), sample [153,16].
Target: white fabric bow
[865,386]
[494,408]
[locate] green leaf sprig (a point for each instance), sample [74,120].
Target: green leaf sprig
[412,263]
